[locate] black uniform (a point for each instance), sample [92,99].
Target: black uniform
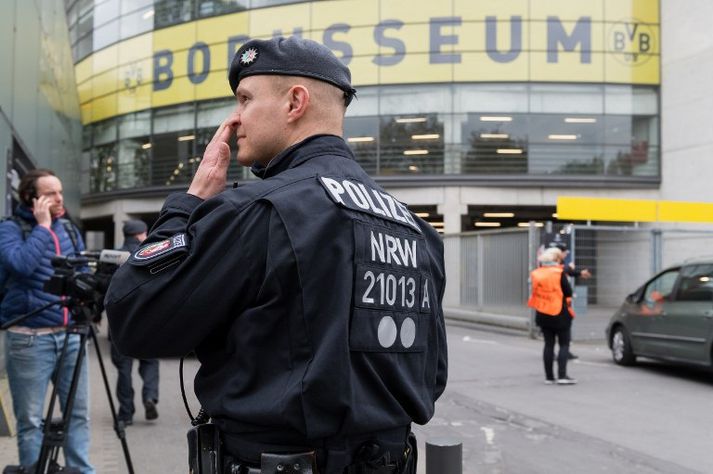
[312,298]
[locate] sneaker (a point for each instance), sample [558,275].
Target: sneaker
[572,356]
[151,412]
[549,381]
[125,421]
[566,381]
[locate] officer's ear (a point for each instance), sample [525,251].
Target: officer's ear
[299,99]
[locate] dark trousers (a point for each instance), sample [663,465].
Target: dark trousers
[548,354]
[148,370]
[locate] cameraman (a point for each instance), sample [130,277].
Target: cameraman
[275,283]
[134,231]
[28,241]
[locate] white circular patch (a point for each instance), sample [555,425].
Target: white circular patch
[387,331]
[408,332]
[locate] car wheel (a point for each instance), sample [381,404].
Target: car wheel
[621,348]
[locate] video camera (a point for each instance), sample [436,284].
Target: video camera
[72,277]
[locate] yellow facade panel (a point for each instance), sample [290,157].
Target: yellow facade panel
[566,10]
[107,58]
[136,49]
[568,65]
[104,107]
[647,72]
[181,91]
[502,9]
[217,30]
[360,13]
[364,71]
[83,70]
[479,67]
[602,209]
[287,20]
[134,99]
[414,11]
[415,68]
[646,11]
[86,111]
[104,83]
[175,38]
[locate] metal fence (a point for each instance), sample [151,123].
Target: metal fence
[488,271]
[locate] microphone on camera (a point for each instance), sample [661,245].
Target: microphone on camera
[116,257]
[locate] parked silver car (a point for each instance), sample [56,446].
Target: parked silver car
[669,318]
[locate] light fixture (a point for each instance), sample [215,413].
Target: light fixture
[580,120]
[501,136]
[426,136]
[527,224]
[498,214]
[411,120]
[148,14]
[415,152]
[554,215]
[704,278]
[180,165]
[436,224]
[360,139]
[509,151]
[146,146]
[495,118]
[186,138]
[556,136]
[423,214]
[487,224]
[176,172]
[413,168]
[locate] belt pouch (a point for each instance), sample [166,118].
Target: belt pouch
[297,463]
[204,456]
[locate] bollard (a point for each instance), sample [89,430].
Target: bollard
[444,456]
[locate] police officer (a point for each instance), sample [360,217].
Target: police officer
[311,297]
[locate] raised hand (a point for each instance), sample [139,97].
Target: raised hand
[41,210]
[211,175]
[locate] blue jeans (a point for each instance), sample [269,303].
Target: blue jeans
[31,362]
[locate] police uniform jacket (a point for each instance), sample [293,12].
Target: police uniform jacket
[312,298]
[27,262]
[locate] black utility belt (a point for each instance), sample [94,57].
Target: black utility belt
[206,456]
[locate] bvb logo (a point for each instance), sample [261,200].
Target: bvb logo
[133,77]
[631,42]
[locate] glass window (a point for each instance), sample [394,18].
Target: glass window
[173,144]
[106,35]
[129,6]
[206,8]
[171,12]
[362,135]
[696,284]
[661,288]
[410,144]
[104,132]
[134,150]
[102,175]
[564,144]
[137,22]
[105,11]
[83,48]
[495,144]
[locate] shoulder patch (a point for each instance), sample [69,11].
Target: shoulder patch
[158,251]
[358,196]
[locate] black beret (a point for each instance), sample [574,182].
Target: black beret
[291,56]
[134,227]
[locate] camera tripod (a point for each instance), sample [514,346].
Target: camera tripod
[55,430]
